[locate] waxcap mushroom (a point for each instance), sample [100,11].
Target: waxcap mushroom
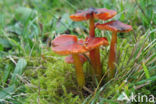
[101,13]
[115,26]
[68,44]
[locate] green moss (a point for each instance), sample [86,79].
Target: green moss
[52,83]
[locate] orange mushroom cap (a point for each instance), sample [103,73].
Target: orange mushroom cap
[67,44]
[80,16]
[101,13]
[69,59]
[93,42]
[64,39]
[104,14]
[116,26]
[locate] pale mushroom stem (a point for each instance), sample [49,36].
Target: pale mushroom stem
[79,70]
[94,54]
[112,55]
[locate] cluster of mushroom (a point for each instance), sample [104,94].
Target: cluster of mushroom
[70,45]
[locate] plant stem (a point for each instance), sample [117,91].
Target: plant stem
[94,54]
[112,55]
[79,70]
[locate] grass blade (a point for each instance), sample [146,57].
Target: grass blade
[21,64]
[146,71]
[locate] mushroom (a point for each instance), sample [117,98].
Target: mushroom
[90,15]
[114,26]
[68,45]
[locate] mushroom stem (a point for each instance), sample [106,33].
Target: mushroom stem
[79,70]
[112,54]
[91,26]
[94,54]
[95,60]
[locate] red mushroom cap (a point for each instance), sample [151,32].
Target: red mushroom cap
[101,13]
[69,59]
[67,44]
[93,42]
[116,26]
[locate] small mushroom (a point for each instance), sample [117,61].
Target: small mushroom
[68,45]
[90,15]
[114,26]
[93,44]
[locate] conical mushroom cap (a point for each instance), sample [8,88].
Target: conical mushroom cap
[115,26]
